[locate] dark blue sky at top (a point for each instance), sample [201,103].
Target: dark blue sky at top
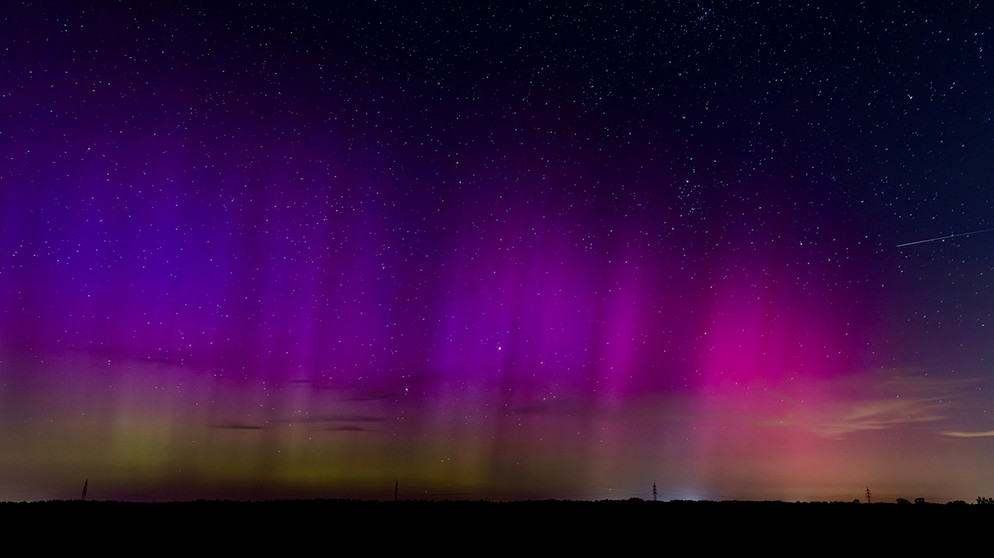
[836,131]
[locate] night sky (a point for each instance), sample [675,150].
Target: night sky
[497,250]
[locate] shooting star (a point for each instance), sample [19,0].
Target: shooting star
[942,238]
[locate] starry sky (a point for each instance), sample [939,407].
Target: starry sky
[486,250]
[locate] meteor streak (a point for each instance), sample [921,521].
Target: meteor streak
[943,238]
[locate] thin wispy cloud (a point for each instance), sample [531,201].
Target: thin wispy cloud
[982,434]
[237,426]
[876,415]
[879,400]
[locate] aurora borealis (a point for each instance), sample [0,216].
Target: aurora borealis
[488,251]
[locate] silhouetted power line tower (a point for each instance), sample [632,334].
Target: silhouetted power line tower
[85,482]
[653,492]
[868,500]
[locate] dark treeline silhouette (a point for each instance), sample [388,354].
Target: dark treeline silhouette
[511,526]
[466,508]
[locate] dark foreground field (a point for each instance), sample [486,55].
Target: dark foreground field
[471,527]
